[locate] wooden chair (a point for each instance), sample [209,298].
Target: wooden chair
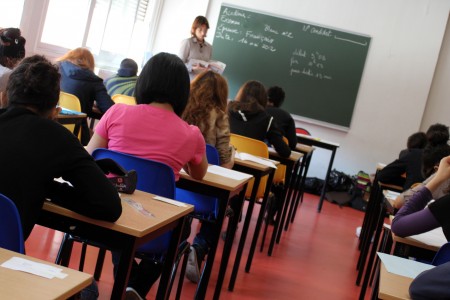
[119,98]
[71,102]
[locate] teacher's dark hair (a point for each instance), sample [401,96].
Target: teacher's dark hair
[34,82]
[164,79]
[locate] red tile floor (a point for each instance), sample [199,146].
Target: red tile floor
[316,259]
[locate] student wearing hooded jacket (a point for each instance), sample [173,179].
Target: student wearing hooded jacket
[78,78]
[248,117]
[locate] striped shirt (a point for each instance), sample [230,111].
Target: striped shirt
[121,85]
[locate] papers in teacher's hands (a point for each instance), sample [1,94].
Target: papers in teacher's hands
[213,65]
[39,269]
[402,266]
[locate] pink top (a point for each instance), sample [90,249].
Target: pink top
[151,132]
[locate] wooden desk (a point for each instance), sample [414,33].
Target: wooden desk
[21,285]
[222,188]
[393,286]
[258,171]
[313,141]
[72,119]
[130,231]
[292,163]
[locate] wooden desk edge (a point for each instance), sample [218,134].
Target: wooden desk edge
[392,286]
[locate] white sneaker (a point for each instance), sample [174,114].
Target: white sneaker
[358,231]
[192,268]
[131,294]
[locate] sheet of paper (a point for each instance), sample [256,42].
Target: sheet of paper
[228,173]
[39,269]
[170,201]
[402,266]
[256,159]
[433,237]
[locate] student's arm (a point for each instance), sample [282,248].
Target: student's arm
[91,193]
[197,171]
[291,135]
[392,173]
[432,284]
[104,101]
[276,140]
[96,142]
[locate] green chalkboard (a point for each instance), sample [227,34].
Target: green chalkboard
[319,68]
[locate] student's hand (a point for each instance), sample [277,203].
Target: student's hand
[3,100]
[442,174]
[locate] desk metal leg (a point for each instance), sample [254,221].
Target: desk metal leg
[123,270]
[247,220]
[257,229]
[164,282]
[236,205]
[287,201]
[322,195]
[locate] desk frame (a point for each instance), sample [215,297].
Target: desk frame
[307,140]
[223,195]
[76,119]
[112,239]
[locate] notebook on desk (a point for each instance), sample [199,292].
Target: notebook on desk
[65,111]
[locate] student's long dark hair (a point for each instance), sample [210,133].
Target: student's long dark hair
[251,97]
[164,79]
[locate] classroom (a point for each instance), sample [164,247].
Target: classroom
[404,84]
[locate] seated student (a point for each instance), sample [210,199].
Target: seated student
[432,284]
[153,129]
[78,78]
[40,150]
[416,217]
[12,51]
[206,109]
[416,140]
[124,82]
[248,117]
[284,119]
[430,162]
[411,162]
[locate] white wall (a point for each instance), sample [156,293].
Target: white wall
[406,40]
[394,98]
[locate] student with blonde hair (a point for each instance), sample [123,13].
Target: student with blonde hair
[78,78]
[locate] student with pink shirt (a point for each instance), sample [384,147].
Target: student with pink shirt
[153,129]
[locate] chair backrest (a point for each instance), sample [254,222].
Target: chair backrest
[11,235]
[302,131]
[442,256]
[71,102]
[212,155]
[125,99]
[152,177]
[254,147]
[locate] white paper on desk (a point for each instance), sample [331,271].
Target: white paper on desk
[256,159]
[390,194]
[25,265]
[228,173]
[433,237]
[170,201]
[402,266]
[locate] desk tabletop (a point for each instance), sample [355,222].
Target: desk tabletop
[217,180]
[21,285]
[132,221]
[304,148]
[254,165]
[431,240]
[318,140]
[393,286]
[295,156]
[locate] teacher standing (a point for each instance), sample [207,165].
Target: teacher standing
[196,47]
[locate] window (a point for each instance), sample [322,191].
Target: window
[13,13]
[111,29]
